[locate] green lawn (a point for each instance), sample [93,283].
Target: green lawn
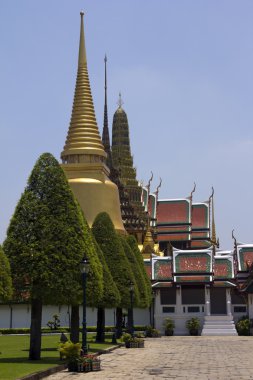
[14,350]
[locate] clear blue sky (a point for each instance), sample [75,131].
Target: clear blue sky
[185,72]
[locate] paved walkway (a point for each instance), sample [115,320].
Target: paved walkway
[181,358]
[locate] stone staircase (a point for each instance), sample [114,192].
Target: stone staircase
[219,325]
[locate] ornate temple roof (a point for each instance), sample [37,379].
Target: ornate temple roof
[244,256]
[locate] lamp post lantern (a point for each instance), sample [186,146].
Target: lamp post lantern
[131,319]
[84,268]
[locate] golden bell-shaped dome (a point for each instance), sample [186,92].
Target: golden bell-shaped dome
[84,156]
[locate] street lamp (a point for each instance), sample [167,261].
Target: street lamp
[84,269]
[131,314]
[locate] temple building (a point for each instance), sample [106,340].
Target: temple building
[190,275]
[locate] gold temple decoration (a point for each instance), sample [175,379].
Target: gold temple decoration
[148,245]
[84,156]
[83,136]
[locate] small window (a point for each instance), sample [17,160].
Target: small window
[168,309]
[168,296]
[240,309]
[193,309]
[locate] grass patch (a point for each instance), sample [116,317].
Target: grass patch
[14,350]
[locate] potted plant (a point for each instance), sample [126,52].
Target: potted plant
[169,326]
[193,326]
[132,342]
[71,352]
[150,332]
[243,326]
[126,338]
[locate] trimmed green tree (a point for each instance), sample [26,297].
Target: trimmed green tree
[145,301]
[117,262]
[111,296]
[5,277]
[46,240]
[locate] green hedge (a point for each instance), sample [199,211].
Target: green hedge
[46,330]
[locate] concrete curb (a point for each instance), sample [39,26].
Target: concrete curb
[61,367]
[42,374]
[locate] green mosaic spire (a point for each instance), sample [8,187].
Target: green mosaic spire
[121,154]
[133,212]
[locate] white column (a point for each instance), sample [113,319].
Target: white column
[207,300]
[178,300]
[228,296]
[250,306]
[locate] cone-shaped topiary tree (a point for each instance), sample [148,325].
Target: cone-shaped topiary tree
[116,260]
[145,301]
[46,240]
[111,296]
[5,277]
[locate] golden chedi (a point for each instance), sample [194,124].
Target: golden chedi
[84,156]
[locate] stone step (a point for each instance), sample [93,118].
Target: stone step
[219,317]
[219,333]
[219,326]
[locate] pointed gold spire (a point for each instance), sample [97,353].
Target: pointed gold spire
[148,244]
[84,155]
[83,137]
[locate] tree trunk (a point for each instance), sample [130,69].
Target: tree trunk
[35,332]
[100,325]
[118,322]
[74,324]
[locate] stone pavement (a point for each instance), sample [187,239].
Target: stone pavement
[181,358]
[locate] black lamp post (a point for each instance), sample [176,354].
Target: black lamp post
[84,268]
[131,319]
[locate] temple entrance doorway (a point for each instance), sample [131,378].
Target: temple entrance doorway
[218,301]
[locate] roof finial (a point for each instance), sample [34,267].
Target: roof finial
[193,190]
[158,187]
[82,52]
[233,237]
[120,101]
[213,221]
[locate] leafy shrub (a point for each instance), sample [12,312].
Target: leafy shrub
[193,324]
[150,332]
[55,323]
[126,337]
[69,350]
[169,325]
[243,326]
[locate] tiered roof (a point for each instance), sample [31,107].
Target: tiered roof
[192,267]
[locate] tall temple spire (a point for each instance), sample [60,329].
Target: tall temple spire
[84,156]
[83,136]
[105,135]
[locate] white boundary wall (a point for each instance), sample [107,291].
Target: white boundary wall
[19,316]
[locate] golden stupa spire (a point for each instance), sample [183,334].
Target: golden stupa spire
[83,136]
[148,244]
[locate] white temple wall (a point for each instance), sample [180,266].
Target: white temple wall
[180,315]
[19,315]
